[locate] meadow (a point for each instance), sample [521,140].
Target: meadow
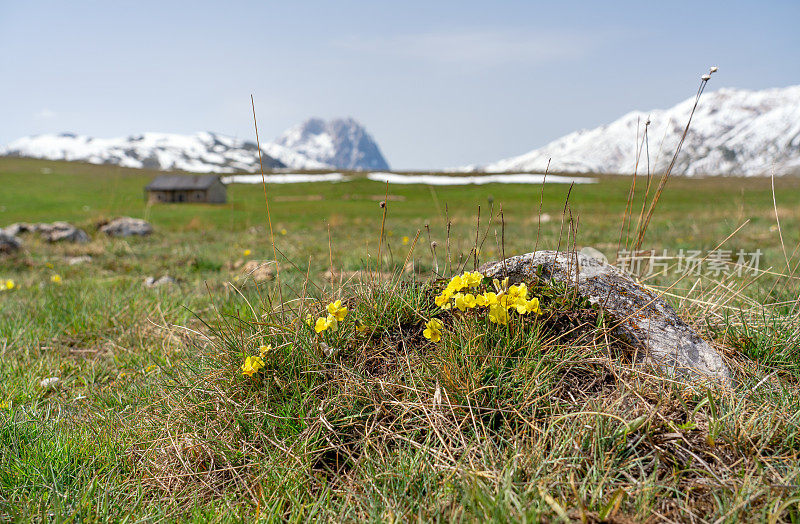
[151,417]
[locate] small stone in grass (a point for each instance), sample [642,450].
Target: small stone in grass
[49,382]
[156,282]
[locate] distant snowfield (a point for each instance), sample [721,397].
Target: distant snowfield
[506,178]
[397,178]
[283,178]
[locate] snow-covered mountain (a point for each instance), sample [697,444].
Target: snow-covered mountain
[733,132]
[341,142]
[199,153]
[316,144]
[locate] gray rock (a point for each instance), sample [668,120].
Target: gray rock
[646,320]
[127,226]
[594,253]
[49,382]
[166,280]
[62,232]
[19,227]
[74,261]
[8,243]
[55,232]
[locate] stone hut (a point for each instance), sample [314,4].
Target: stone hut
[186,188]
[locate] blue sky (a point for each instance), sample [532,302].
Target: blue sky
[437,83]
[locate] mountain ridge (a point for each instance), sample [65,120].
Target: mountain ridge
[349,147]
[733,132]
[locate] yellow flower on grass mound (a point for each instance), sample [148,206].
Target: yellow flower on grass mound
[504,296]
[499,301]
[336,313]
[433,330]
[252,365]
[498,314]
[529,306]
[337,310]
[443,299]
[457,284]
[473,279]
[464,302]
[326,323]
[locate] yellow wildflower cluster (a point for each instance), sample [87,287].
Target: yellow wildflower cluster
[498,302]
[456,285]
[336,313]
[433,330]
[7,285]
[252,365]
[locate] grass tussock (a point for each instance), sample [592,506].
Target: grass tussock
[542,418]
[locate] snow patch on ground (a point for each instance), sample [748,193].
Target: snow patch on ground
[506,178]
[283,178]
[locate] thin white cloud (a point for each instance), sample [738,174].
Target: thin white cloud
[482,48]
[44,114]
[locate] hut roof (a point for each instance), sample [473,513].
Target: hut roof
[181,182]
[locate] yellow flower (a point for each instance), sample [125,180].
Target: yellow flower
[506,300]
[433,330]
[405,241]
[518,292]
[252,365]
[498,314]
[309,319]
[55,279]
[500,285]
[4,405]
[458,298]
[150,368]
[470,301]
[456,284]
[263,350]
[8,284]
[473,279]
[325,323]
[533,306]
[247,252]
[490,298]
[467,301]
[333,324]
[283,232]
[337,310]
[443,300]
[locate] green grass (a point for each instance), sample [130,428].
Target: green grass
[152,419]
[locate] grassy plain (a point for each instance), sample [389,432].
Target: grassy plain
[151,418]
